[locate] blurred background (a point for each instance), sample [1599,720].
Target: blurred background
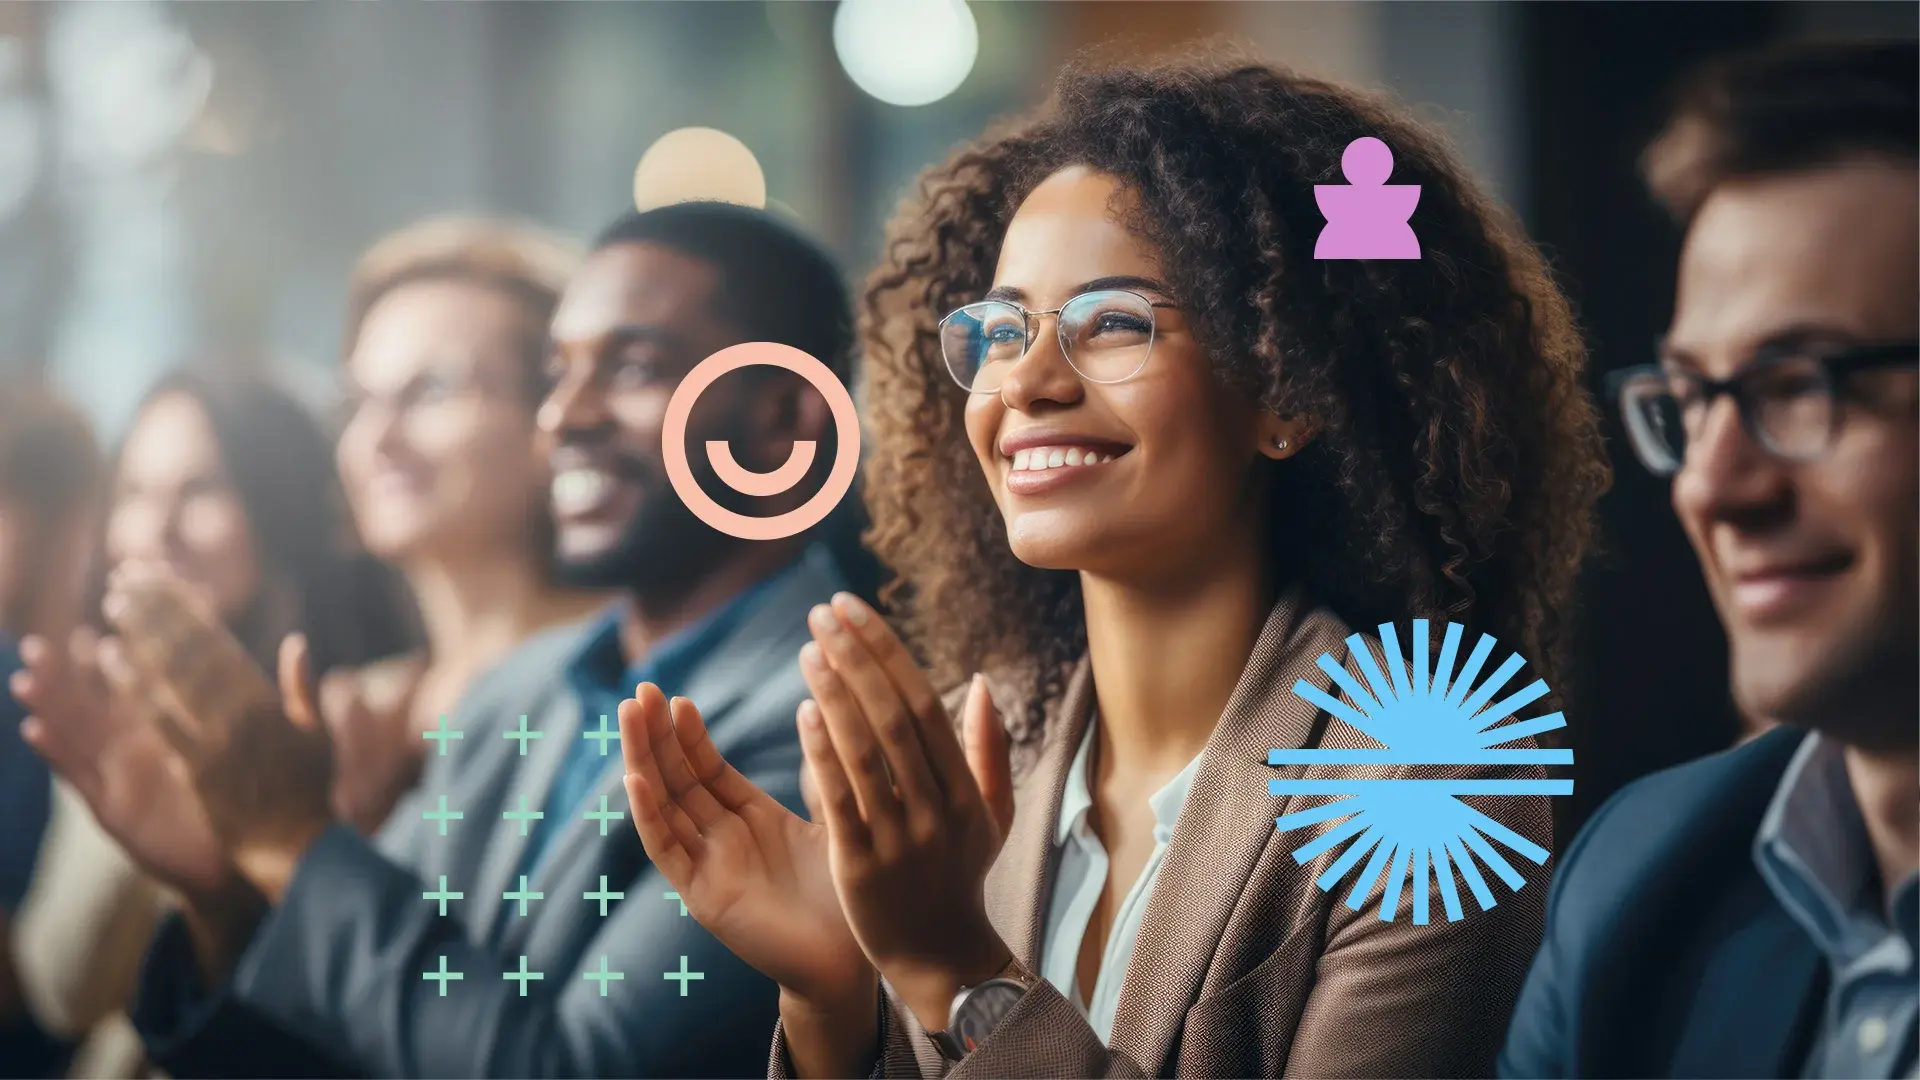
[193,181]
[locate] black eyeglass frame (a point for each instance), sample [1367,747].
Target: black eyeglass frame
[1033,335]
[1834,367]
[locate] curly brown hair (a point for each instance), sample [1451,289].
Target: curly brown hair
[1457,458]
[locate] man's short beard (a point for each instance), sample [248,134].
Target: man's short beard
[662,546]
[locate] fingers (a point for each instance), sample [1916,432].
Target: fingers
[733,790]
[907,676]
[200,670]
[183,735]
[834,804]
[660,839]
[885,708]
[297,698]
[987,758]
[643,725]
[851,740]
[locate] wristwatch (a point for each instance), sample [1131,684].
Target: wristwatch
[977,1011]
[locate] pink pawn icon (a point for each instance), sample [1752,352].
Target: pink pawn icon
[1366,216]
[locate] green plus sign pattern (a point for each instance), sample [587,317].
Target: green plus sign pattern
[522,895]
[671,895]
[443,815]
[522,734]
[603,815]
[442,976]
[684,976]
[441,894]
[602,736]
[522,976]
[603,976]
[604,896]
[441,734]
[524,816]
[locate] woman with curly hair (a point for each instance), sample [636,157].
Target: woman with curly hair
[1142,460]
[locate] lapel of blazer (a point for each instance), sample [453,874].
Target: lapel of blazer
[1018,883]
[530,776]
[768,638]
[1225,825]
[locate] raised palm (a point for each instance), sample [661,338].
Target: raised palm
[92,723]
[752,872]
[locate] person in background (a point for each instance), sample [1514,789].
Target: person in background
[445,350]
[1757,912]
[330,952]
[230,484]
[49,479]
[1150,467]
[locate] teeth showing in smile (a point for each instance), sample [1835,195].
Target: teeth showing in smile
[579,490]
[1041,458]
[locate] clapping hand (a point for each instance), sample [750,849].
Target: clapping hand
[259,761]
[913,820]
[750,870]
[94,723]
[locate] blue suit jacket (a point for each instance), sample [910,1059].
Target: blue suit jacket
[1665,953]
[335,981]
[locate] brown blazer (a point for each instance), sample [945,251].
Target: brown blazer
[1243,966]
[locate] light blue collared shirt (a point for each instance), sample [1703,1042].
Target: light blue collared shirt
[1082,876]
[1814,854]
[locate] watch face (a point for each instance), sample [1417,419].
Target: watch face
[984,1007]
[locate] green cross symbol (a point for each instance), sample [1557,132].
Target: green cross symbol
[441,894]
[685,976]
[522,895]
[603,815]
[523,735]
[443,976]
[675,896]
[603,896]
[443,815]
[523,815]
[603,735]
[523,976]
[603,976]
[441,734]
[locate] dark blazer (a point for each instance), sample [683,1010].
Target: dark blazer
[334,980]
[1666,954]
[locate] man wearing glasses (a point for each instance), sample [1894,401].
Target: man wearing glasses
[1755,913]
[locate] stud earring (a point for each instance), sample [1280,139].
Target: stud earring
[1279,444]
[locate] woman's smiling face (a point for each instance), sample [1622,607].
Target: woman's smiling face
[1147,476]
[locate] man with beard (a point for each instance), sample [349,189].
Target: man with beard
[505,921]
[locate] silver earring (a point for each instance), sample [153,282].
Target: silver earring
[1279,444]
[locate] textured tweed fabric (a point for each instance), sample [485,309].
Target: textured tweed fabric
[1243,966]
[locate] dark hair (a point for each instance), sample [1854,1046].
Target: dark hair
[1786,108]
[352,608]
[50,469]
[776,284]
[1457,458]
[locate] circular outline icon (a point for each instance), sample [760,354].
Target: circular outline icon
[846,459]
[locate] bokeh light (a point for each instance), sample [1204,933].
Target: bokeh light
[698,163]
[906,52]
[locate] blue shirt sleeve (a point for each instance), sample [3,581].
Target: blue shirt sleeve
[26,791]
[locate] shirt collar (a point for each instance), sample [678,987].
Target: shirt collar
[599,664]
[1077,802]
[1813,852]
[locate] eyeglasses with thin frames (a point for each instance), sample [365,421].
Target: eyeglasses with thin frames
[1788,399]
[1106,336]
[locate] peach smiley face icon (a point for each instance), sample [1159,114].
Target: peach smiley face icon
[845,462]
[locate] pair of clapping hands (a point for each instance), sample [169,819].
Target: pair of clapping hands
[209,775]
[888,877]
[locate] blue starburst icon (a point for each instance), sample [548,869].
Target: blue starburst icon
[1417,830]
